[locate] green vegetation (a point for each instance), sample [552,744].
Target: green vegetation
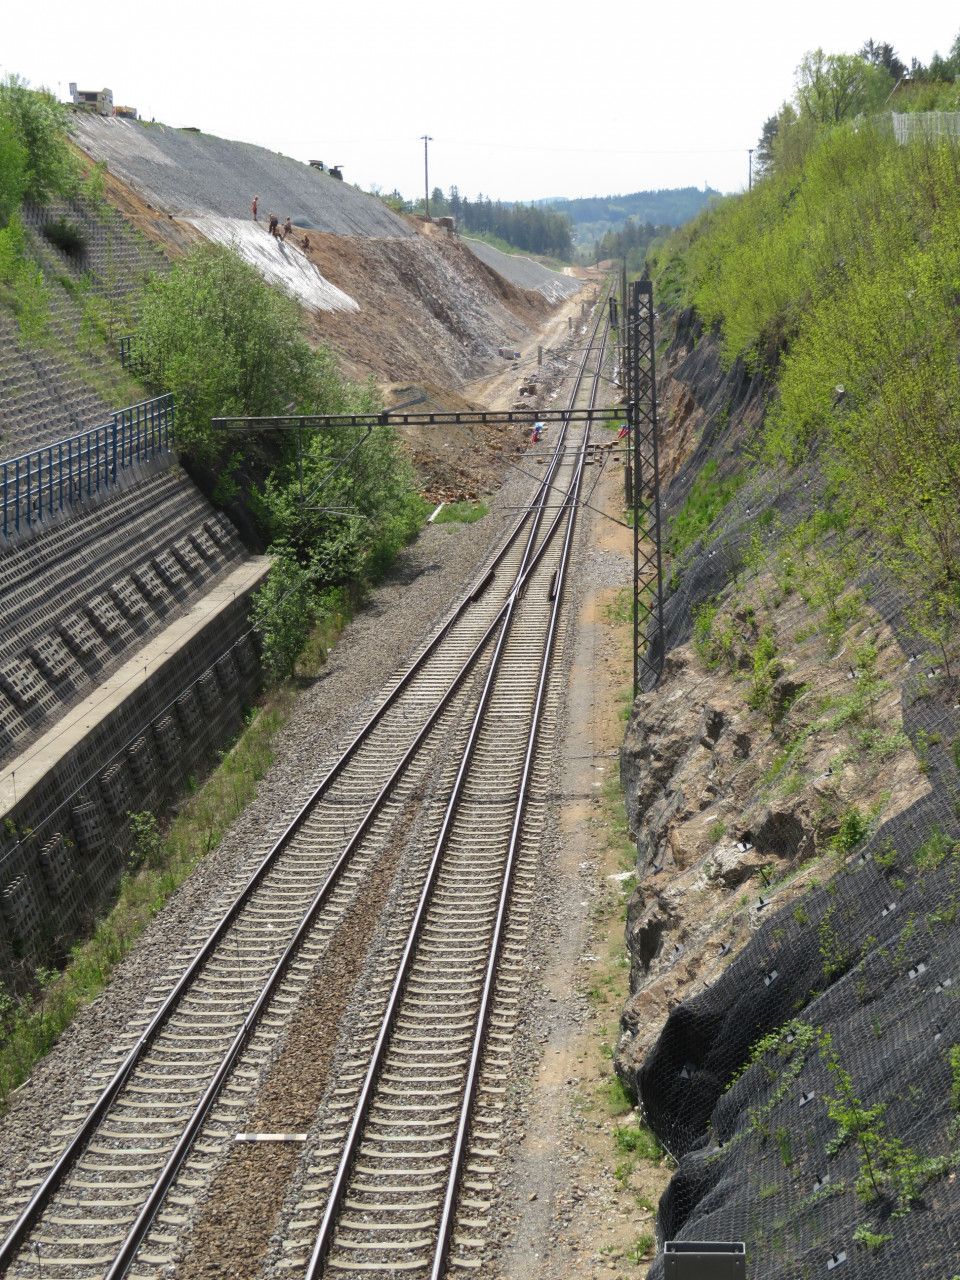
[616,1100]
[636,1139]
[871,1240]
[334,509]
[890,1174]
[767,669]
[629,243]
[22,286]
[598,221]
[887,1166]
[519,226]
[226,344]
[35,157]
[36,164]
[707,498]
[837,274]
[641,1249]
[462,513]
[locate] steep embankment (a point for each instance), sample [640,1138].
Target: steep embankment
[422,305]
[525,272]
[395,299]
[792,1031]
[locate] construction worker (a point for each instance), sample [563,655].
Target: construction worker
[305,243]
[253,206]
[287,227]
[274,225]
[536,433]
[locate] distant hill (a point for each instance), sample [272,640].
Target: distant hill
[593,216]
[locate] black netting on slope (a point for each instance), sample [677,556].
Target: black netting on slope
[872,957]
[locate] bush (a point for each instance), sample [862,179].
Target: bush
[839,272]
[38,122]
[13,171]
[225,343]
[67,236]
[21,283]
[284,611]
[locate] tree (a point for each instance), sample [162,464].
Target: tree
[225,343]
[837,86]
[38,122]
[946,68]
[882,55]
[13,171]
[764,158]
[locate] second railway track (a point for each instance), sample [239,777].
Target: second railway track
[91,1206]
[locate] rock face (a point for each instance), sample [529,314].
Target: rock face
[792,1033]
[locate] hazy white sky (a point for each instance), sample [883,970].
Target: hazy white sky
[527,99]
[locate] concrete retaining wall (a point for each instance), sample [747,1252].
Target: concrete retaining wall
[65,843]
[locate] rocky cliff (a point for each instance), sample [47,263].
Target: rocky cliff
[792,786]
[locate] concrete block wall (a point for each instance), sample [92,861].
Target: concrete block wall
[115,259]
[44,395]
[64,846]
[85,593]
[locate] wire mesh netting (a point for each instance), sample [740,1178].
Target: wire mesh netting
[810,1091]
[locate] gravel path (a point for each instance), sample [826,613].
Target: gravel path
[195,173]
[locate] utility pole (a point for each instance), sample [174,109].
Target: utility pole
[750,168]
[426,177]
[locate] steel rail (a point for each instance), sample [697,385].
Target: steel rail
[445,1229]
[337,1194]
[42,1195]
[127,1251]
[33,1210]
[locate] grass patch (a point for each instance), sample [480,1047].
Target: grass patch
[462,513]
[706,499]
[616,1100]
[637,1140]
[641,1249]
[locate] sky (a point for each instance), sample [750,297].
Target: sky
[524,100]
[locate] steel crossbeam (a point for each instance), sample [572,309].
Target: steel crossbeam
[314,422]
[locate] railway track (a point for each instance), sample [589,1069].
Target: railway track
[128,1163]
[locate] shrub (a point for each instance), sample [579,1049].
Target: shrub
[38,122]
[225,343]
[21,283]
[705,501]
[67,236]
[284,611]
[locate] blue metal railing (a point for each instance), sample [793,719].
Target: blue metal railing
[38,484]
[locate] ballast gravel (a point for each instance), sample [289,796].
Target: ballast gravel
[426,582]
